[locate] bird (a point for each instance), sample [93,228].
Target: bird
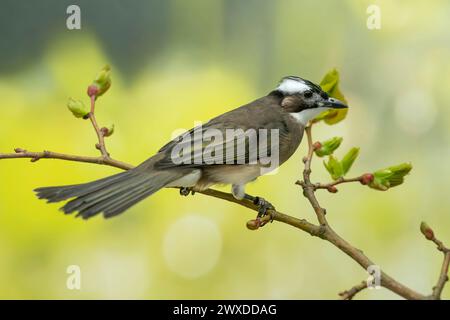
[264,134]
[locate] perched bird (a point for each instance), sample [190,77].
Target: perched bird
[222,151]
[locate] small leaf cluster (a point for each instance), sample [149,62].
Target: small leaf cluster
[382,179]
[97,88]
[330,85]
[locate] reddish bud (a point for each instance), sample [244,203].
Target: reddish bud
[426,231]
[332,189]
[317,145]
[107,131]
[366,178]
[253,224]
[103,81]
[92,90]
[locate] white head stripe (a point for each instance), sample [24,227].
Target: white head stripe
[290,86]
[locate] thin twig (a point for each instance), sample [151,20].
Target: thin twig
[35,156]
[440,245]
[349,294]
[101,139]
[301,224]
[335,183]
[443,275]
[308,187]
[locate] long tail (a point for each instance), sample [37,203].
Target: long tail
[111,195]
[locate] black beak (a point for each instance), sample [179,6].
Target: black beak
[334,103]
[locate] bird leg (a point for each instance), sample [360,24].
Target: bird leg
[185,191]
[263,206]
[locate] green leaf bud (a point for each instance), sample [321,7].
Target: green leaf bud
[390,177]
[78,108]
[327,147]
[334,167]
[101,83]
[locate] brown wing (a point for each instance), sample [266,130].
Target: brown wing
[213,144]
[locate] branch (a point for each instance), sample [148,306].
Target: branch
[331,236]
[329,186]
[101,139]
[276,215]
[35,156]
[308,187]
[323,230]
[443,275]
[349,294]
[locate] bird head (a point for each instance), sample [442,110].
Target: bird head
[305,100]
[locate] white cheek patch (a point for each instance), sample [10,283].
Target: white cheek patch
[304,116]
[290,86]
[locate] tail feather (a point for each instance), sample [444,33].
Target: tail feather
[111,201]
[102,205]
[106,192]
[118,206]
[111,195]
[59,193]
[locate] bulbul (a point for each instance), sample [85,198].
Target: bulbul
[195,161]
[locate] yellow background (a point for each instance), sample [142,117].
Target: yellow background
[212,56]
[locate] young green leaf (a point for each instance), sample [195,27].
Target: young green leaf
[334,167]
[78,108]
[330,84]
[349,159]
[390,177]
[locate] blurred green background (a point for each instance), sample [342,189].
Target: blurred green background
[175,62]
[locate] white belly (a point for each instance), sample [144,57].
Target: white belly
[234,174]
[188,180]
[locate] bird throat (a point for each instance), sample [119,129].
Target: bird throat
[306,115]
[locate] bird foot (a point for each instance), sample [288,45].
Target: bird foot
[263,207]
[186,191]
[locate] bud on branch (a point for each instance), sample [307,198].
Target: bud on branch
[366,178]
[107,131]
[390,177]
[327,147]
[78,108]
[101,83]
[426,231]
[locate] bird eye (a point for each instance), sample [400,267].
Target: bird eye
[308,94]
[324,95]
